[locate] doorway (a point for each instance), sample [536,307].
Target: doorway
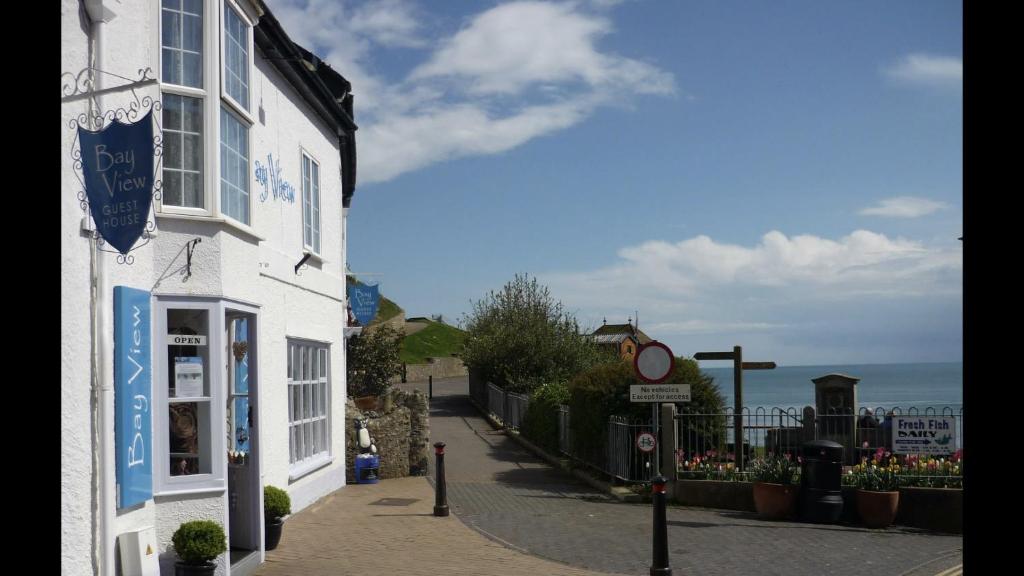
[244,512]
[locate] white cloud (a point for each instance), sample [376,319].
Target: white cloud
[517,45]
[456,102]
[389,23]
[700,286]
[904,207]
[401,143]
[927,69]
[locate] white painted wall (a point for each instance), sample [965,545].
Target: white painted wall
[227,263]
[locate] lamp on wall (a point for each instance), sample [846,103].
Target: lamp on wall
[305,256]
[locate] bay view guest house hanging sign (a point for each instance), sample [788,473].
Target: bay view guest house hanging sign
[118,153]
[117,166]
[364,300]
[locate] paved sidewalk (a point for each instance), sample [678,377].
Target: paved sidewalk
[389,528]
[512,514]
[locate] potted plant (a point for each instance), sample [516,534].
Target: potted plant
[276,505]
[775,489]
[197,544]
[878,494]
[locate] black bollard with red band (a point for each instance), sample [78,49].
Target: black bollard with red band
[441,503]
[659,566]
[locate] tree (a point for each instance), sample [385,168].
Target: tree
[520,338]
[373,360]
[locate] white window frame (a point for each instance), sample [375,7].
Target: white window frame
[300,468]
[163,483]
[250,225]
[210,128]
[320,194]
[234,107]
[242,111]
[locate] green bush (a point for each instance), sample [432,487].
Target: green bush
[520,338]
[540,424]
[199,541]
[603,391]
[373,360]
[276,503]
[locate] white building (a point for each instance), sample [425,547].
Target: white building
[257,162]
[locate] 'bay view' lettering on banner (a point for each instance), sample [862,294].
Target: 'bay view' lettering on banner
[117,169]
[133,390]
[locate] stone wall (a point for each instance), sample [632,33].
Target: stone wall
[400,430]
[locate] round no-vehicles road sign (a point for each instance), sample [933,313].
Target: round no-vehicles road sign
[645,442]
[654,362]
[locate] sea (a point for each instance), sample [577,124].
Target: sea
[936,385]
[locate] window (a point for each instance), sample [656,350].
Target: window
[182,42]
[309,433]
[236,57]
[310,203]
[181,55]
[189,427]
[183,151]
[234,167]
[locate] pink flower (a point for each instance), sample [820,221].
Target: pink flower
[788,456]
[865,444]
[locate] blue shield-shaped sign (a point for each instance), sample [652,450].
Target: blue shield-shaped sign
[364,300]
[117,167]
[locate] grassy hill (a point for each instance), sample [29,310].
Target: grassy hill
[436,340]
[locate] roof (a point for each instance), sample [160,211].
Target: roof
[611,338]
[835,377]
[609,329]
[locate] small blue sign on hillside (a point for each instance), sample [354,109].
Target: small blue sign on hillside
[117,166]
[364,301]
[133,390]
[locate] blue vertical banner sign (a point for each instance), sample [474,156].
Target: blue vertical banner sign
[364,300]
[117,166]
[133,390]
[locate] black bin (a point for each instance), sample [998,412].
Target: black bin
[821,493]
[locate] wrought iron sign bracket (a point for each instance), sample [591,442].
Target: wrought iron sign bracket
[189,247]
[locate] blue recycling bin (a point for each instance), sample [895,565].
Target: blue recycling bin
[367,468]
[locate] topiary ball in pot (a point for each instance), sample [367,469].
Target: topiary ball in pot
[197,544]
[276,505]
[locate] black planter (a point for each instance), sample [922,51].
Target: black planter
[272,533]
[207,569]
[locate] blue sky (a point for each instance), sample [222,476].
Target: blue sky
[785,176]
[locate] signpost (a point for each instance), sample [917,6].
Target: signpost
[646,442]
[653,363]
[738,366]
[659,393]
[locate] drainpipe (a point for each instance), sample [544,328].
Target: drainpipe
[102,328]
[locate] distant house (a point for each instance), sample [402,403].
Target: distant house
[623,338]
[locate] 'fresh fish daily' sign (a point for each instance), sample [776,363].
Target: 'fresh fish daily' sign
[923,435]
[117,169]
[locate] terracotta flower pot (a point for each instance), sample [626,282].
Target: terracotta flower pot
[365,403]
[775,501]
[877,509]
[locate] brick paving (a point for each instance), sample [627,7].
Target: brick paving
[389,528]
[513,514]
